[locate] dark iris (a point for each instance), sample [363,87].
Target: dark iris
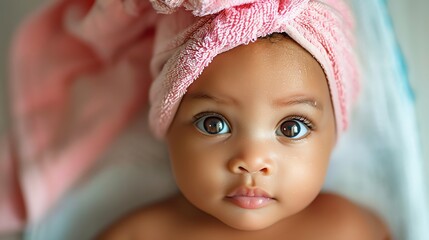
[213,125]
[290,128]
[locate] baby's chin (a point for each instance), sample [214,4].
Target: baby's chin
[254,223]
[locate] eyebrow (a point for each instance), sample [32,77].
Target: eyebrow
[309,101]
[205,96]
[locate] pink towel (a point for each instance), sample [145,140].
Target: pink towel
[185,45]
[80,70]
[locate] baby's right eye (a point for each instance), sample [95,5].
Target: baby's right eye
[212,124]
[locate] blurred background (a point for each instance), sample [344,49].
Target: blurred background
[410,21]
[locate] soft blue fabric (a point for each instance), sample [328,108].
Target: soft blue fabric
[378,162]
[134,171]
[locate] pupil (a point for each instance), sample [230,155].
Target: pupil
[290,128]
[213,125]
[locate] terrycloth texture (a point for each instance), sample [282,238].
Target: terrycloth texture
[79,72]
[133,172]
[185,45]
[378,161]
[198,7]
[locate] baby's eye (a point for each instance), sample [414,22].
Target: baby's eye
[212,124]
[293,128]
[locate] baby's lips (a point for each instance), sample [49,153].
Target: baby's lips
[249,192]
[250,198]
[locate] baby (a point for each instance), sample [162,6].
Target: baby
[251,136]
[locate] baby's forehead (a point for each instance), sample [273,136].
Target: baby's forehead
[179,62]
[281,69]
[270,46]
[271,54]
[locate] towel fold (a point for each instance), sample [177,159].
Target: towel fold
[185,45]
[81,69]
[79,72]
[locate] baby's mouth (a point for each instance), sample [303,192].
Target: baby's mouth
[250,198]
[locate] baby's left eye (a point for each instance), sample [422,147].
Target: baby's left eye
[212,124]
[293,129]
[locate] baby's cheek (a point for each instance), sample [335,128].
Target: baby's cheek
[301,185]
[195,170]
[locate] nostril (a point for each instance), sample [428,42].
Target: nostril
[265,170]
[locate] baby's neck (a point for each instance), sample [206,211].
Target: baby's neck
[328,217]
[195,222]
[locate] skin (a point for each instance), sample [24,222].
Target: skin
[249,147]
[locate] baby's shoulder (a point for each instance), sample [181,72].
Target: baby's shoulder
[145,223]
[347,220]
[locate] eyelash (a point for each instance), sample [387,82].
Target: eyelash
[301,118]
[205,114]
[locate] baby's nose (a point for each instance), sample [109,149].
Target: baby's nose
[252,159]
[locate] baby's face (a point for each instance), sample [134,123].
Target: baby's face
[251,140]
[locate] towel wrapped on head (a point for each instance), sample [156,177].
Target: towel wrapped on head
[186,44]
[85,75]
